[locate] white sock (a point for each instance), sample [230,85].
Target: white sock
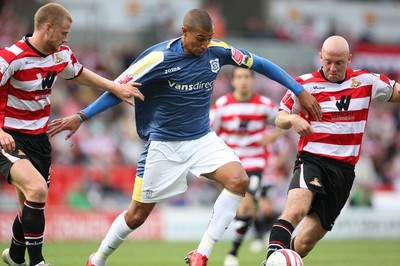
[224,211]
[117,233]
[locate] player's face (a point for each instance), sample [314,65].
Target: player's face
[334,65]
[242,81]
[196,41]
[57,36]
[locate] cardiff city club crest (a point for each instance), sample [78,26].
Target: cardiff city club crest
[214,65]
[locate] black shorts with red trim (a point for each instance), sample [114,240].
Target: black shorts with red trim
[330,179]
[35,148]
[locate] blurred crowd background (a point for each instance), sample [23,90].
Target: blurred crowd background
[95,168]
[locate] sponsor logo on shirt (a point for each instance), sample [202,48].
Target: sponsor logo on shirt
[344,102]
[189,87]
[171,70]
[48,81]
[318,88]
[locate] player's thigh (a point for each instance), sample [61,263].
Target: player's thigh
[215,160]
[162,174]
[27,179]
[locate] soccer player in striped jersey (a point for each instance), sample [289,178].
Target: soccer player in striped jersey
[177,78]
[28,70]
[328,149]
[241,119]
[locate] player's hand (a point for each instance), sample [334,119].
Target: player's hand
[126,92]
[301,126]
[309,105]
[71,123]
[7,142]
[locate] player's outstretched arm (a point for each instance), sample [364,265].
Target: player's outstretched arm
[71,123]
[286,121]
[125,92]
[396,93]
[308,102]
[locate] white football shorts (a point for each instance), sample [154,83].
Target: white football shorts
[168,163]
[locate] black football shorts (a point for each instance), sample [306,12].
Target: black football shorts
[330,179]
[35,148]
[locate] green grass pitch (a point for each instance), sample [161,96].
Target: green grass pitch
[327,253]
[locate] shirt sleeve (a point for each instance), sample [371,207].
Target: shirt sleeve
[289,103]
[73,67]
[382,87]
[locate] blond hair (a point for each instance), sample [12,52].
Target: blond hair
[51,13]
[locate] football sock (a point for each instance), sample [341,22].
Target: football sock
[259,226]
[292,243]
[33,222]
[281,235]
[17,247]
[224,211]
[116,235]
[241,225]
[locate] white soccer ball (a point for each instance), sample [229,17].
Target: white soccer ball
[284,257]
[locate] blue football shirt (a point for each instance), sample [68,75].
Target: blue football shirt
[178,87]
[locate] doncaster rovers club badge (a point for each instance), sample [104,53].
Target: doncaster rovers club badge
[214,65]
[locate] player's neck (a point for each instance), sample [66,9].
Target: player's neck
[242,97]
[37,41]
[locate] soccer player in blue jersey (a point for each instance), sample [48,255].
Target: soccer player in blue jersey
[177,78]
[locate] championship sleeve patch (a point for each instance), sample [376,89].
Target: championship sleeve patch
[237,56]
[287,97]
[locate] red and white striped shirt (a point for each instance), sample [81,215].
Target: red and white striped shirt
[241,125]
[344,106]
[26,80]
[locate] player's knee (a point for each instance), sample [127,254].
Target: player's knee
[238,184]
[37,192]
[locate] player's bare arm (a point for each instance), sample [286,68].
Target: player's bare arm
[71,123]
[7,142]
[125,92]
[285,120]
[271,137]
[310,105]
[396,93]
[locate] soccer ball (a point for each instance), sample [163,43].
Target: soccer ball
[284,257]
